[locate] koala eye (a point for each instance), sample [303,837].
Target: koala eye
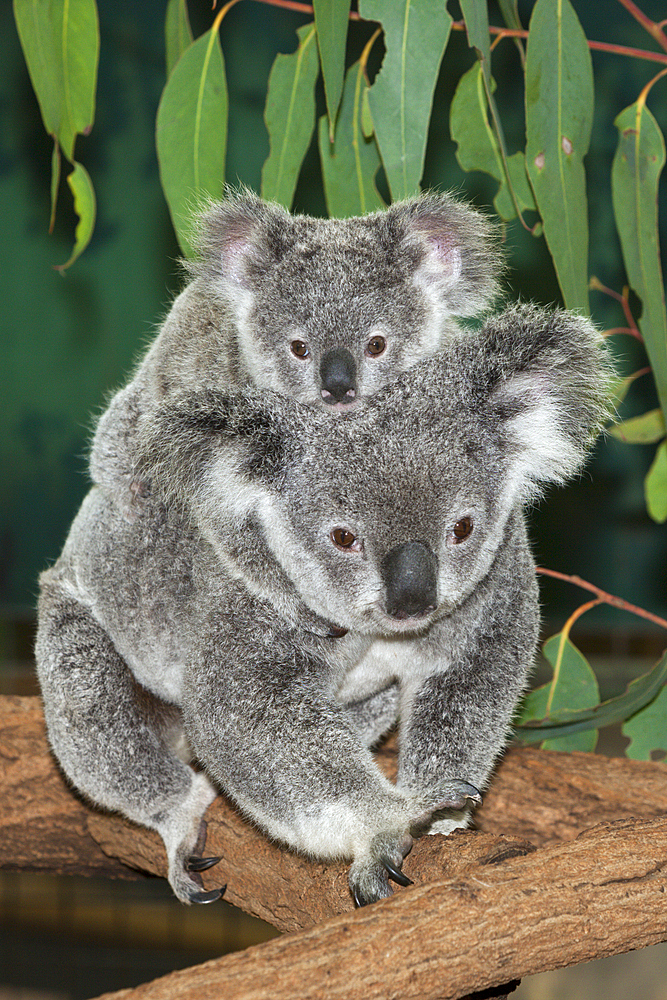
[462,529]
[375,346]
[344,539]
[299,349]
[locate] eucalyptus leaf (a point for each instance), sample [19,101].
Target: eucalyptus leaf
[655,485]
[559,117]
[192,133]
[639,159]
[81,187]
[476,17]
[401,97]
[647,729]
[574,683]
[290,116]
[350,163]
[645,429]
[331,22]
[639,692]
[60,41]
[177,32]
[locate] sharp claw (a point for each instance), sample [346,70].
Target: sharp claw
[395,874]
[207,897]
[462,793]
[197,864]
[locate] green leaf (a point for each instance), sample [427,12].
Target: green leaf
[574,685]
[401,97]
[647,729]
[192,133]
[177,32]
[81,187]
[646,429]
[476,17]
[60,41]
[639,159]
[290,117]
[638,693]
[559,115]
[510,11]
[655,485]
[478,147]
[350,164]
[331,21]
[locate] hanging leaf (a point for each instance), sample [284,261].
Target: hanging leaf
[61,42]
[177,32]
[574,683]
[639,159]
[477,144]
[646,429]
[476,17]
[331,21]
[655,485]
[647,729]
[402,94]
[81,187]
[350,164]
[290,117]
[559,116]
[640,692]
[192,133]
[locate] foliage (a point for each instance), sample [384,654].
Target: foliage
[372,138]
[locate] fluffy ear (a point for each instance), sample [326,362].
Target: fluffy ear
[181,442]
[547,376]
[239,237]
[460,259]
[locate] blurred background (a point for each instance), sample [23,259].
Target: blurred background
[67,342]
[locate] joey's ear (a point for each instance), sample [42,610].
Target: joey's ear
[239,237]
[548,376]
[181,443]
[459,251]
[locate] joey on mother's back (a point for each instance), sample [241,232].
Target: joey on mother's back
[323,311]
[401,525]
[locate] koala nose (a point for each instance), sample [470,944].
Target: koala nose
[409,572]
[338,373]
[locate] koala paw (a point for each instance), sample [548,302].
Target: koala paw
[369,876]
[184,873]
[454,796]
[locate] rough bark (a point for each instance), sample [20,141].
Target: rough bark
[598,895]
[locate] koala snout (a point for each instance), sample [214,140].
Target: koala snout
[410,574]
[338,373]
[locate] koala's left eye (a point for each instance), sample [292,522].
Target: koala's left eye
[375,346]
[299,349]
[344,539]
[462,529]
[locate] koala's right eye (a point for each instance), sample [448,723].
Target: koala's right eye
[344,539]
[300,349]
[375,346]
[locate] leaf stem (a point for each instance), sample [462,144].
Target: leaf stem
[654,29]
[603,596]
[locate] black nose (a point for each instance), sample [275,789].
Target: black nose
[409,572]
[338,373]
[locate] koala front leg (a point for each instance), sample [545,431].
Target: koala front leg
[115,741]
[456,718]
[261,715]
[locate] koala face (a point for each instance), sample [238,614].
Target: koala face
[388,518]
[329,310]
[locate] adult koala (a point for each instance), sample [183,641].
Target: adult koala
[400,524]
[324,311]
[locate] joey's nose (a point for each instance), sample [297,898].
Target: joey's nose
[338,373]
[410,572]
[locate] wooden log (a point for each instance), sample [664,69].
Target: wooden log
[601,894]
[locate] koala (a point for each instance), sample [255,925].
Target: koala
[169,670]
[323,311]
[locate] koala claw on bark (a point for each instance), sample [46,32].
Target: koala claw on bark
[369,876]
[197,864]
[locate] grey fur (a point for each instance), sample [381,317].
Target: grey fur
[179,629]
[265,279]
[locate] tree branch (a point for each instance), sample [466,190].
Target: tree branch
[577,899]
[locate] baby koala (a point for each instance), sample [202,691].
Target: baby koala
[401,525]
[322,311]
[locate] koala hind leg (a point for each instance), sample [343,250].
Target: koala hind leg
[115,741]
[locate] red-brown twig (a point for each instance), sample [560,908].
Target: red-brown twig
[603,596]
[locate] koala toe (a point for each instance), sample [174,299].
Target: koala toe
[197,864]
[455,796]
[369,876]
